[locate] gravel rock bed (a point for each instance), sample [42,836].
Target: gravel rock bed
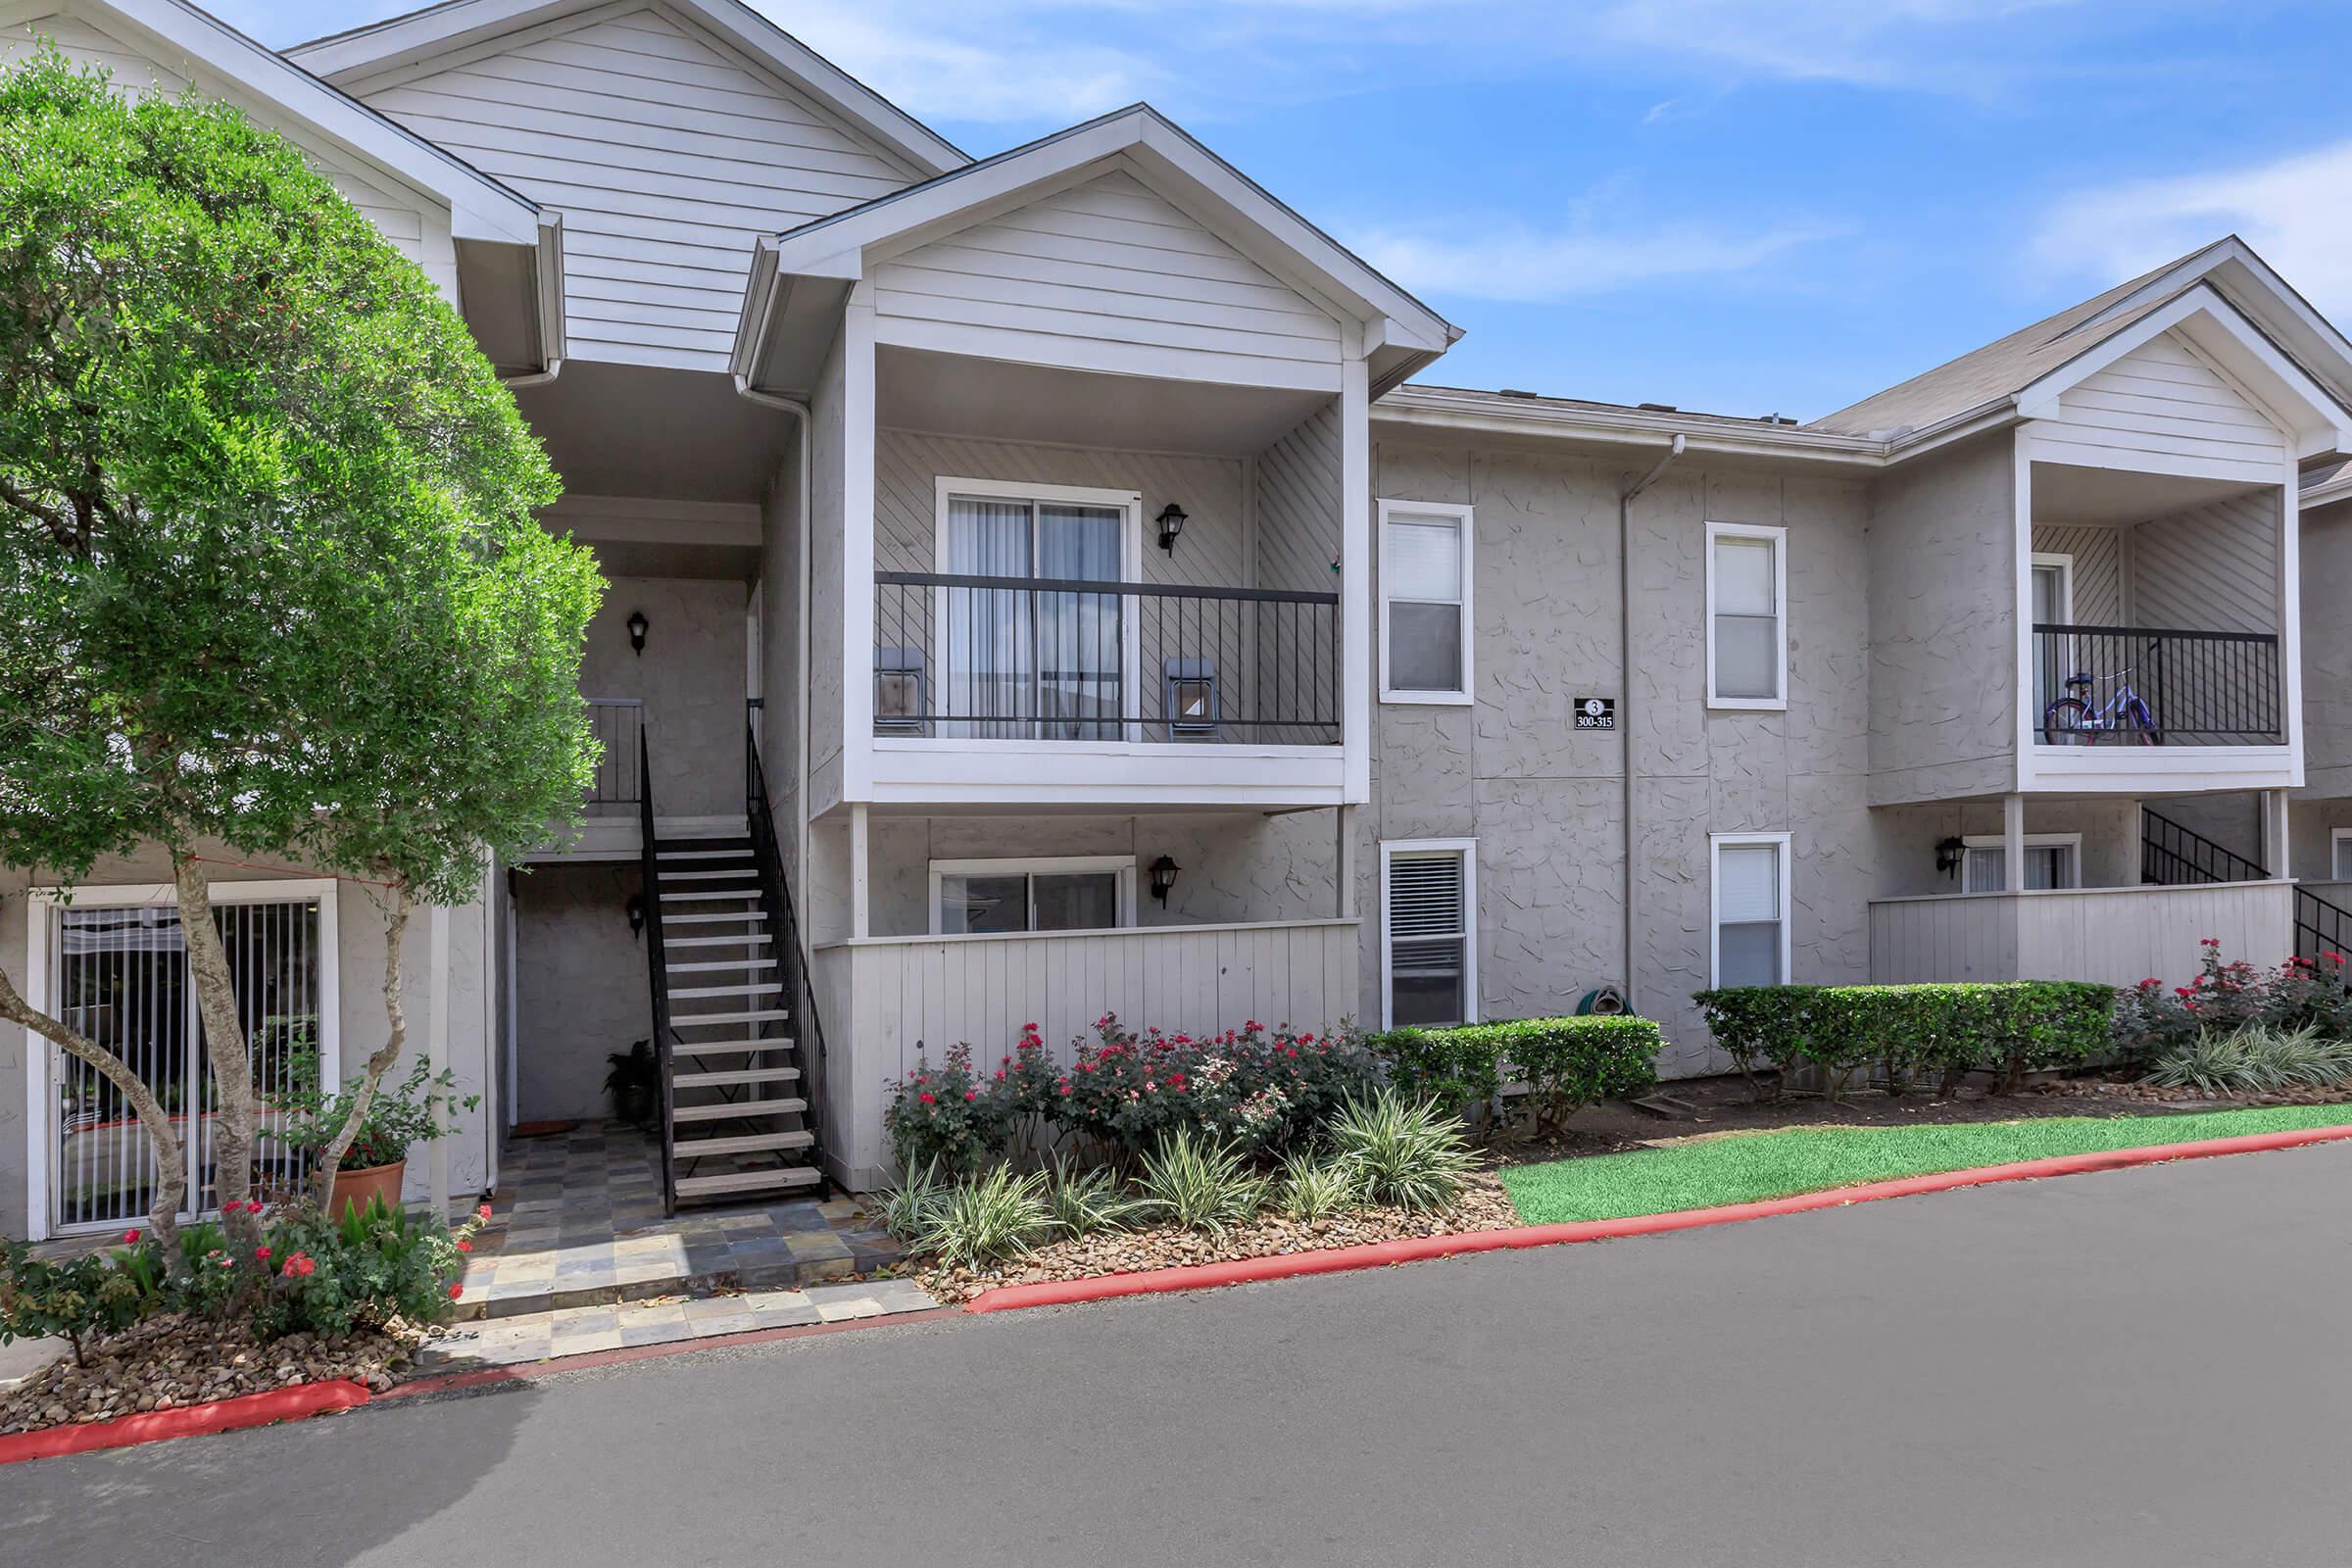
[1484,1206]
[170,1362]
[2190,1097]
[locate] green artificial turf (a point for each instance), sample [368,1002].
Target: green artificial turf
[1744,1167]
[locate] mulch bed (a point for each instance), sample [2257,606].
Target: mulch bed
[1484,1206]
[171,1361]
[2139,1096]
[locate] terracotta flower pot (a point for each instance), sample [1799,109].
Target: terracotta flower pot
[357,1187]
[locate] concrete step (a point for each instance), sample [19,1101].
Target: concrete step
[750,1180]
[739,917]
[719,963]
[738,1110]
[744,1143]
[746,939]
[730,873]
[750,895]
[701,1019]
[728,1047]
[762,988]
[702,856]
[728,1077]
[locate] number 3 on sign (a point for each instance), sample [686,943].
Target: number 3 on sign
[1597,713]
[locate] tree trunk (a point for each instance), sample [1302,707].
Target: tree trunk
[330,1158]
[170,1163]
[225,1048]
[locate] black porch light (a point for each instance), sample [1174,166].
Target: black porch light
[637,630]
[1171,523]
[636,915]
[1163,878]
[1949,855]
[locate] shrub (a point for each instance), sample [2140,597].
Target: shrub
[1263,1089]
[2252,1058]
[1084,1201]
[2006,1028]
[1191,1183]
[1567,1063]
[2152,1019]
[987,1218]
[947,1117]
[1458,1070]
[335,1276]
[1310,1188]
[401,1114]
[1404,1154]
[75,1298]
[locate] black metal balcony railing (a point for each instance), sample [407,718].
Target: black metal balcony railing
[961,657]
[620,723]
[2132,686]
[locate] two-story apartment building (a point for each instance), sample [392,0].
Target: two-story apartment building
[1041,588]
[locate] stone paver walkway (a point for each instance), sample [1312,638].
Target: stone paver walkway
[510,1341]
[577,1222]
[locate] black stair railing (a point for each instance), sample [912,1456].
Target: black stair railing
[792,958]
[656,968]
[2173,854]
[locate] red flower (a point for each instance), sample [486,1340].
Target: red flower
[971,1094]
[465,1246]
[262,1254]
[456,1291]
[925,1096]
[482,1213]
[131,1237]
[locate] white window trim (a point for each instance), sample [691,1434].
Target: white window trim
[1778,537]
[40,1112]
[1464,519]
[2065,563]
[1131,561]
[2033,841]
[2337,838]
[1390,849]
[1035,866]
[1717,843]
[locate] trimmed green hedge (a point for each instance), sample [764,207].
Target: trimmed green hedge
[2007,1029]
[1568,1063]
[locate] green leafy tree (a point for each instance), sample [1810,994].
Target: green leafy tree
[269,572]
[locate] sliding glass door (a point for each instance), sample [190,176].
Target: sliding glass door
[118,974]
[1033,663]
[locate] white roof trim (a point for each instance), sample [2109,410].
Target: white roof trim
[440,30]
[1159,154]
[480,207]
[2310,414]
[2248,281]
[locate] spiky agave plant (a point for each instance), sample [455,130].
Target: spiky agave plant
[1082,1201]
[908,1211]
[1310,1188]
[1404,1153]
[989,1218]
[1190,1182]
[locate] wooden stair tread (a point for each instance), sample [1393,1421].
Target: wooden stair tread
[727,1077]
[738,1110]
[750,1180]
[757,988]
[741,1144]
[701,966]
[748,937]
[681,1020]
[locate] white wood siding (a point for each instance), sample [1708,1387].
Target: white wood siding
[420,229]
[2163,407]
[2098,575]
[1108,275]
[1298,505]
[890,1000]
[2210,568]
[668,153]
[2118,935]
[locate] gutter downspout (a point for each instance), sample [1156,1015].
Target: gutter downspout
[1624,700]
[801,418]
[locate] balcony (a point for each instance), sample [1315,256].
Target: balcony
[2115,936]
[2133,686]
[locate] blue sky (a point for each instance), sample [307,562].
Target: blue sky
[1726,205]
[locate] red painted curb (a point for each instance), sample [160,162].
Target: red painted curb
[1411,1250]
[194,1420]
[587,1360]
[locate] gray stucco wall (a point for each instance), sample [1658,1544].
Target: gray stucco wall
[690,678]
[1544,802]
[1906,837]
[581,979]
[1942,593]
[2327,577]
[360,950]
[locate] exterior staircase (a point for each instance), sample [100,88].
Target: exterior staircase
[2171,854]
[736,1120]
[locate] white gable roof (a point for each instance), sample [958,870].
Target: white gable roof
[799,276]
[347,56]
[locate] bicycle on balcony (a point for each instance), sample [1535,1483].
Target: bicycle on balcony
[2123,719]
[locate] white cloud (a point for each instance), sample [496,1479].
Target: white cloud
[1518,263]
[1936,45]
[2291,210]
[971,63]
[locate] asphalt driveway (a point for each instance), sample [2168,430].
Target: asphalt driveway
[2144,1368]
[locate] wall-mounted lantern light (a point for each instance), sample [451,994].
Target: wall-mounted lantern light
[1163,878]
[636,915]
[637,628]
[1949,855]
[1171,523]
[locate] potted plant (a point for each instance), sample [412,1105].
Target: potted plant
[634,1083]
[402,1115]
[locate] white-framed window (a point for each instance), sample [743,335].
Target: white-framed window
[2339,854]
[1038,893]
[2053,605]
[1425,624]
[1015,662]
[1747,616]
[112,962]
[1748,909]
[1428,932]
[2052,861]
